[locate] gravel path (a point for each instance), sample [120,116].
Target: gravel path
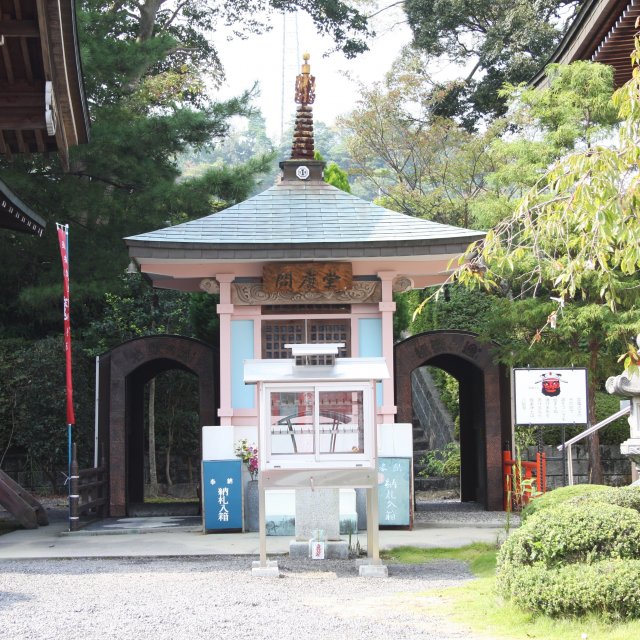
[216,597]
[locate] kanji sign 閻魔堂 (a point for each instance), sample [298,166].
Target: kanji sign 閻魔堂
[302,277]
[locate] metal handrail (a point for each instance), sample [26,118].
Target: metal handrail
[595,427]
[568,445]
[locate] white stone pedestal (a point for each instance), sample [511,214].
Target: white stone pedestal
[269,570]
[317,509]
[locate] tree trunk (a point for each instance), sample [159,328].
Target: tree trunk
[153,469]
[596,473]
[190,469]
[148,13]
[167,462]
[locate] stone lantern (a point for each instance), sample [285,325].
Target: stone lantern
[628,386]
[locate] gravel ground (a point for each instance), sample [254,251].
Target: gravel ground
[217,597]
[452,512]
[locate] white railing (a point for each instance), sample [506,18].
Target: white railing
[568,445]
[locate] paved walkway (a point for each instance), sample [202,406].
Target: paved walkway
[182,536]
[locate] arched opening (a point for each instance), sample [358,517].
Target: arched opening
[124,372]
[163,459]
[483,405]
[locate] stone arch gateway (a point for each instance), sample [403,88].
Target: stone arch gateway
[123,373]
[485,423]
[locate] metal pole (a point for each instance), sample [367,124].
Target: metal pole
[564,460]
[96,412]
[74,496]
[570,463]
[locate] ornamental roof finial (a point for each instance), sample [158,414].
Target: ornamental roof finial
[303,145]
[305,83]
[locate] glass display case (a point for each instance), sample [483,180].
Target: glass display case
[318,426]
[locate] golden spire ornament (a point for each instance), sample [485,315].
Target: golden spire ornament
[305,83]
[303,145]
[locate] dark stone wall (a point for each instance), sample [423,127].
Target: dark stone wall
[484,404]
[124,371]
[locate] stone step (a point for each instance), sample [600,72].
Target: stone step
[436,484]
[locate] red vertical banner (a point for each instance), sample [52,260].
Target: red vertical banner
[63,238]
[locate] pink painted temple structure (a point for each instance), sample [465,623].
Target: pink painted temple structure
[302,262]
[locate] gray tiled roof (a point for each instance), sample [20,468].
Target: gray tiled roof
[295,214]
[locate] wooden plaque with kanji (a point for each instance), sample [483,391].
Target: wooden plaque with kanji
[305,277]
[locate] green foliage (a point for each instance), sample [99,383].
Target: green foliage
[402,315]
[449,389]
[500,40]
[569,534]
[562,495]
[203,317]
[575,109]
[149,69]
[33,405]
[616,432]
[453,308]
[418,164]
[574,234]
[580,495]
[609,589]
[441,463]
[139,311]
[177,428]
[334,175]
[337,177]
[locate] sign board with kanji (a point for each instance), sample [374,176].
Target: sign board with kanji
[222,495]
[394,492]
[306,277]
[550,396]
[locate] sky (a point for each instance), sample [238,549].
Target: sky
[260,58]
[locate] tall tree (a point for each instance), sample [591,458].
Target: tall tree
[574,239]
[492,41]
[149,68]
[419,163]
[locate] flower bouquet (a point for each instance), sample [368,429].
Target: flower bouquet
[249,455]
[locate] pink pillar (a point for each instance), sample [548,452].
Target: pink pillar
[225,311]
[387,308]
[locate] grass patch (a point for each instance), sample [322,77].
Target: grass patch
[477,605]
[480,556]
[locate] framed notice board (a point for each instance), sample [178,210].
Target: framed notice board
[222,495]
[394,493]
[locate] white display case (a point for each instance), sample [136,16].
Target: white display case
[317,418]
[317,428]
[321,425]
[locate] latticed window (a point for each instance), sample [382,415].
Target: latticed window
[277,333]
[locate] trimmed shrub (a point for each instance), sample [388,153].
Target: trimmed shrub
[569,533]
[628,497]
[561,496]
[610,588]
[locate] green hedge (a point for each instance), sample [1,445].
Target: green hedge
[561,496]
[610,589]
[570,533]
[585,494]
[628,497]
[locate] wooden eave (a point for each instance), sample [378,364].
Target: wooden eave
[40,45]
[16,215]
[603,31]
